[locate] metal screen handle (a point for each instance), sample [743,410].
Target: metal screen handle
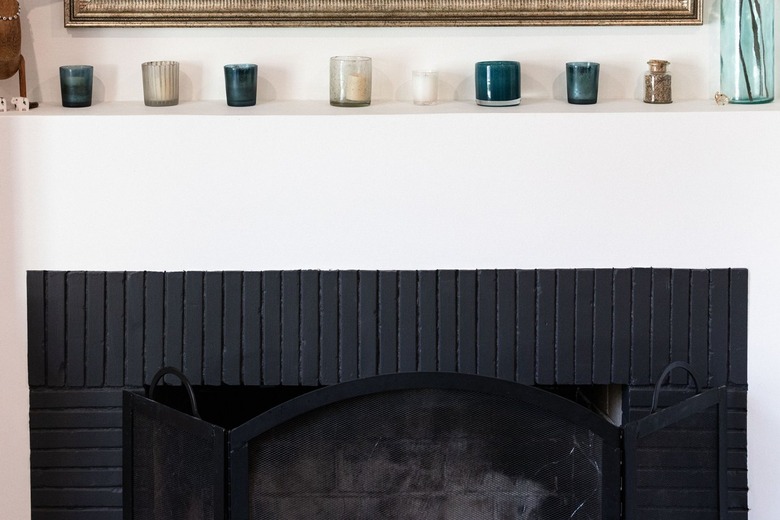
[665,374]
[184,381]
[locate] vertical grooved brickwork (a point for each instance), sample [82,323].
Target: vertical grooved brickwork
[661,321]
[271,327]
[526,327]
[93,334]
[251,330]
[447,341]
[304,327]
[467,322]
[584,322]
[329,328]
[641,316]
[621,326]
[388,322]
[545,328]
[565,302]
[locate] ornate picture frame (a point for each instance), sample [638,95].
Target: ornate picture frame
[329,13]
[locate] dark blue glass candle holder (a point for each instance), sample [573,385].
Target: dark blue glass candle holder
[76,85]
[497,83]
[582,82]
[241,84]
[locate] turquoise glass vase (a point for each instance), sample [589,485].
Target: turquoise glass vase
[747,44]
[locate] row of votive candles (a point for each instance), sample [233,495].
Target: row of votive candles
[160,83]
[497,83]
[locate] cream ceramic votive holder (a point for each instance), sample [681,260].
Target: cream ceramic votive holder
[161,83]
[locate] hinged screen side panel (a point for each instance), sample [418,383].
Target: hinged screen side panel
[430,453]
[174,464]
[675,461]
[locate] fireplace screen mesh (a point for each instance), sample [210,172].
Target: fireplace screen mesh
[427,453]
[177,466]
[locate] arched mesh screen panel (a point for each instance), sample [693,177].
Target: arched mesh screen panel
[427,453]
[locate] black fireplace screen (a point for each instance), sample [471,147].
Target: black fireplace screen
[675,463]
[439,446]
[427,453]
[176,463]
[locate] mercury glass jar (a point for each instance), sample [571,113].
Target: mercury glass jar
[658,83]
[350,81]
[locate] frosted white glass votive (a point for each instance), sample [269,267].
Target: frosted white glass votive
[425,84]
[161,83]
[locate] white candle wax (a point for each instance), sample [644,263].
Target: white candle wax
[426,87]
[357,88]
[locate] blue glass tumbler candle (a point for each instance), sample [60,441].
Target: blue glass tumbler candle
[241,84]
[76,85]
[497,83]
[582,82]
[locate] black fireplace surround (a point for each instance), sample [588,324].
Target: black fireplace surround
[441,344]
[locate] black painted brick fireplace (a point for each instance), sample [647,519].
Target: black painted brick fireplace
[93,335]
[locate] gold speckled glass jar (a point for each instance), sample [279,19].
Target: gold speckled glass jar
[658,83]
[350,81]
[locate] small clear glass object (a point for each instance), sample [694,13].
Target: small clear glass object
[161,83]
[350,81]
[241,84]
[658,83]
[76,85]
[426,87]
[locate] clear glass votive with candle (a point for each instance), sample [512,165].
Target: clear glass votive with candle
[497,83]
[241,84]
[350,81]
[425,84]
[161,83]
[76,85]
[582,82]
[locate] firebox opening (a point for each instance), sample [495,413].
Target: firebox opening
[605,400]
[231,406]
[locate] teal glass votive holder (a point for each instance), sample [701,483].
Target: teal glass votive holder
[582,82]
[76,85]
[497,83]
[241,84]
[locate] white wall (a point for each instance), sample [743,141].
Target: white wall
[568,186]
[294,62]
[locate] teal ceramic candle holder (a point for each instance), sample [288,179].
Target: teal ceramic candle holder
[497,83]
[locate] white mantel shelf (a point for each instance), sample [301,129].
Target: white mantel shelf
[332,187]
[389,108]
